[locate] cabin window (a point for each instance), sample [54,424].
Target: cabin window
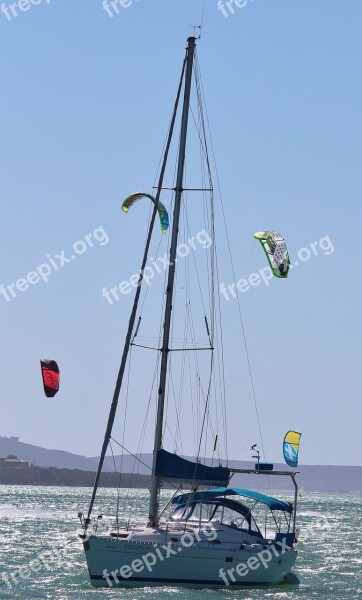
[235,518]
[182,513]
[202,512]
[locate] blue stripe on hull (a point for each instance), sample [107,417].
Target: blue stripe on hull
[176,581]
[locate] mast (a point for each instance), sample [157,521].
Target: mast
[153,510]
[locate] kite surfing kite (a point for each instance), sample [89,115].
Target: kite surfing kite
[50,374]
[162,212]
[276,251]
[291,448]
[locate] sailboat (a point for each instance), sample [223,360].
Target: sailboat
[212,537]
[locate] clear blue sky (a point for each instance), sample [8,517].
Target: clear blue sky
[85,102]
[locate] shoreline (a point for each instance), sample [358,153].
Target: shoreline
[54,476]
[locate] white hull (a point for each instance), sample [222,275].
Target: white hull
[158,562]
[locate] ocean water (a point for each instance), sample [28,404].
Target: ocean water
[38,533]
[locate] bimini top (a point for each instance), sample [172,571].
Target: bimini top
[208,495]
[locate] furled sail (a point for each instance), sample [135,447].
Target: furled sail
[50,374]
[291,448]
[172,467]
[276,251]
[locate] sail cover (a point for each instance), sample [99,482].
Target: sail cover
[172,467]
[276,251]
[50,374]
[291,448]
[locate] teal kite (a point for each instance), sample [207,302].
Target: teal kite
[291,448]
[162,212]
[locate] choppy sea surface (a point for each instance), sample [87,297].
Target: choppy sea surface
[39,527]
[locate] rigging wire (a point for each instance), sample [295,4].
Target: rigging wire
[124,433]
[137,458]
[126,348]
[209,218]
[214,265]
[233,271]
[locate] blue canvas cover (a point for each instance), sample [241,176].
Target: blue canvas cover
[171,466]
[272,503]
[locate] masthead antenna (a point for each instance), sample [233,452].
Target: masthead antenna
[199,27]
[197,37]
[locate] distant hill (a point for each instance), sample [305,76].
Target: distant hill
[41,457]
[312,478]
[68,477]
